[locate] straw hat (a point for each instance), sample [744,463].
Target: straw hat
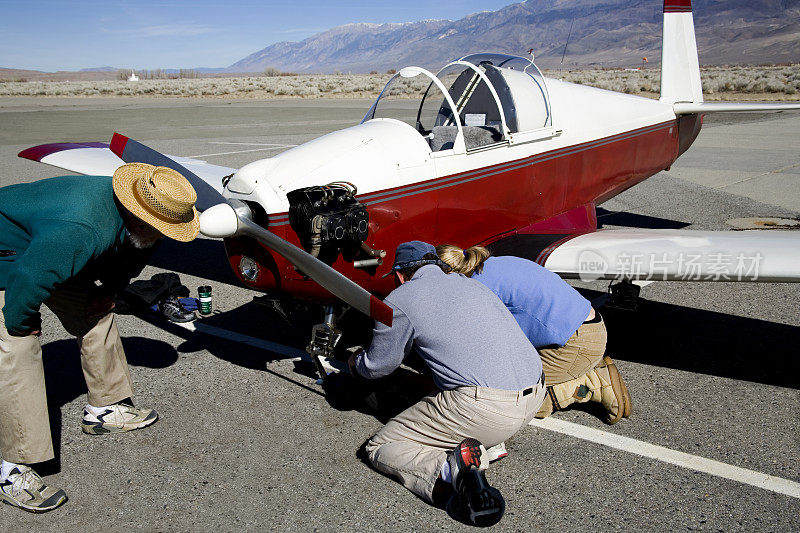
[160,196]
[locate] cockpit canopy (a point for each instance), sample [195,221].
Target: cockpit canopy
[480,100]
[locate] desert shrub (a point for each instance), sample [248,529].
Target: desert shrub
[783,80]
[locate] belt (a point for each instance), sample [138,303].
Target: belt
[499,394]
[530,390]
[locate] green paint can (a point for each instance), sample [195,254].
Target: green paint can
[204,294]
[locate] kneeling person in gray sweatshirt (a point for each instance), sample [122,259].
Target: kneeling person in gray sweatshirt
[488,374]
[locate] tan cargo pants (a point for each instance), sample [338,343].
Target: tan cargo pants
[582,352]
[413,445]
[24,422]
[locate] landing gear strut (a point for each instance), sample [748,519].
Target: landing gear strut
[324,338]
[623,295]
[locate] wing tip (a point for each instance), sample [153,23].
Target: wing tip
[37,153]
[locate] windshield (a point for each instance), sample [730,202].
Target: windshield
[474,98]
[500,61]
[400,99]
[414,96]
[527,106]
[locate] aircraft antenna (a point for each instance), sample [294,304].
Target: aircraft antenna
[567,43]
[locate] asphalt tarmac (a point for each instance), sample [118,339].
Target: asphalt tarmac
[248,441]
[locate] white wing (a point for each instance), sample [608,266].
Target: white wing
[678,255]
[662,254]
[97,159]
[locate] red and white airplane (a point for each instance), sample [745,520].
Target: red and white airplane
[494,154]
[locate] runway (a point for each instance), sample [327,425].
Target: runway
[248,441]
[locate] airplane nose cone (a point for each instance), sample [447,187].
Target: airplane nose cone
[219,221]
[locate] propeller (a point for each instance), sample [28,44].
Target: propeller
[220,219]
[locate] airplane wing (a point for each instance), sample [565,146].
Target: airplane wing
[663,255]
[685,108]
[97,159]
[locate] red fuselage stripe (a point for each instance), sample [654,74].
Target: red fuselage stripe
[479,205]
[281,219]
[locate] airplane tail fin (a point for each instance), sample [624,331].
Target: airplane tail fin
[680,69]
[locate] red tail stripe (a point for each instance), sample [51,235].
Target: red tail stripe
[677,6]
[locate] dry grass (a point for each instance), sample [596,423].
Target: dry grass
[719,83]
[775,83]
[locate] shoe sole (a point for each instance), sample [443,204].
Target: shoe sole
[99,428]
[469,452]
[490,513]
[8,500]
[618,388]
[494,459]
[627,410]
[492,455]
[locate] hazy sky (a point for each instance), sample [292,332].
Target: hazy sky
[55,35]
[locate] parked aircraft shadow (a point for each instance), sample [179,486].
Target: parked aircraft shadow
[382,398]
[204,258]
[705,342]
[657,334]
[65,381]
[632,220]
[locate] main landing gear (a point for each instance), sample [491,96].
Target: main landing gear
[623,296]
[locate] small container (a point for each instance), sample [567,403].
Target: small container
[204,294]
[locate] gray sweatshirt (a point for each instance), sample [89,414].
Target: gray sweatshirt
[460,328]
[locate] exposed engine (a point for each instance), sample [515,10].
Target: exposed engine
[329,220]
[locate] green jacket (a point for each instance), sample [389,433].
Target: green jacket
[59,229]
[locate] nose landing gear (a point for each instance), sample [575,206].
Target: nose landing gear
[324,338]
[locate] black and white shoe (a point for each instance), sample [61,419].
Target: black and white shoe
[173,310]
[116,418]
[24,488]
[475,501]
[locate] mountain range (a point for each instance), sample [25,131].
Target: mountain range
[596,33]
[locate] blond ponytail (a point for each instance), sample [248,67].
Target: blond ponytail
[465,262]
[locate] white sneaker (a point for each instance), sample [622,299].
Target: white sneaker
[497,452]
[116,418]
[25,489]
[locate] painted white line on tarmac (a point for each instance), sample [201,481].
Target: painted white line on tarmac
[674,457]
[237,152]
[619,442]
[254,144]
[293,354]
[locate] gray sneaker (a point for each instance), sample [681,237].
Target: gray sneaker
[116,419]
[26,490]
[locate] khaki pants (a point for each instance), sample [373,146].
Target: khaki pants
[582,352]
[413,445]
[24,422]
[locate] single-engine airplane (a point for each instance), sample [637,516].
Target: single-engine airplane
[494,154]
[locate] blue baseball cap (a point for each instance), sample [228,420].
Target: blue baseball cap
[411,254]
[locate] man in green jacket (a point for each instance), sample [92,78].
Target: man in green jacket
[58,238]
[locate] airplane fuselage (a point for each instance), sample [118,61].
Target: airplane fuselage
[601,143]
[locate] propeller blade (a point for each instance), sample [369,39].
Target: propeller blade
[222,221]
[132,151]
